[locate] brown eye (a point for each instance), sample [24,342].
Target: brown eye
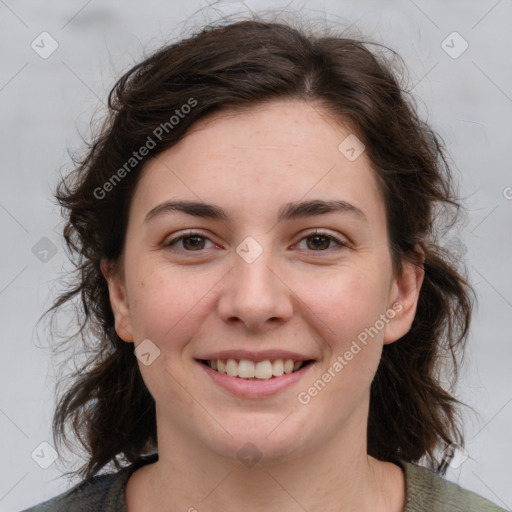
[191,242]
[320,241]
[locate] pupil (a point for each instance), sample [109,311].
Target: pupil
[316,237]
[193,245]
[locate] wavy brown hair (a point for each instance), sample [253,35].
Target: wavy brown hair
[237,65]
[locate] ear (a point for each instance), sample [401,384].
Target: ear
[404,297]
[118,300]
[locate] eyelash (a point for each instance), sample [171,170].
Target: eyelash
[192,234]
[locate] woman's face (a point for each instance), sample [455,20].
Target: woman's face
[256,284]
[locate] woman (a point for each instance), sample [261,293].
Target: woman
[257,258]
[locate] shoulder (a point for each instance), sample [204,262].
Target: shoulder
[427,490]
[87,496]
[101,493]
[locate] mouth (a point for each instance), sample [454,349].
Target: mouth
[256,378]
[255,370]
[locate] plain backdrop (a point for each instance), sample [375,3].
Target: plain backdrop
[465,93]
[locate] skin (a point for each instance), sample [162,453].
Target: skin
[295,296]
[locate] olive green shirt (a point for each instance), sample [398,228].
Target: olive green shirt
[425,492]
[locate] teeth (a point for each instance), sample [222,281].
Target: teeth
[262,370]
[278,367]
[231,368]
[246,369]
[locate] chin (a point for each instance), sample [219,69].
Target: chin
[261,437]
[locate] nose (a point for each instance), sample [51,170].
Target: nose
[255,295]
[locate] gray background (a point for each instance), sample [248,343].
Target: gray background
[46,103]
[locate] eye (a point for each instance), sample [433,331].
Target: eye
[193,241]
[321,240]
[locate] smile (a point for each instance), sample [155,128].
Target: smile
[261,370]
[255,379]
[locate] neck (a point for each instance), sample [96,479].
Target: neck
[334,475]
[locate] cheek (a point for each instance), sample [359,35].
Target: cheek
[348,309]
[347,302]
[348,306]
[171,305]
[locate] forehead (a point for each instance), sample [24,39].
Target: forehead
[261,158]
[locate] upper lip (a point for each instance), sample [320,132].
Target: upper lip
[254,356]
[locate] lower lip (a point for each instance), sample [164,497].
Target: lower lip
[255,388]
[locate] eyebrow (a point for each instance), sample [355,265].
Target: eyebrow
[293,210]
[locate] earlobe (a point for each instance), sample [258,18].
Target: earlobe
[118,301]
[405,295]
